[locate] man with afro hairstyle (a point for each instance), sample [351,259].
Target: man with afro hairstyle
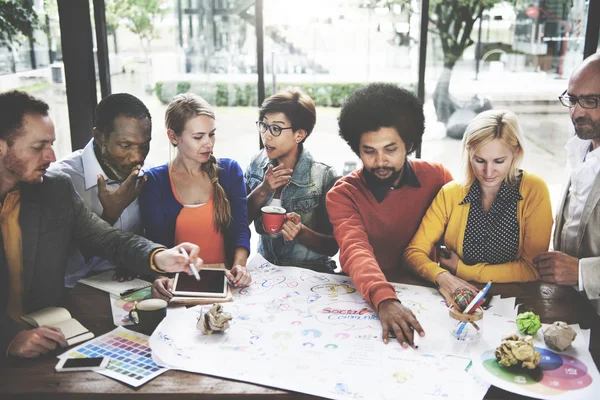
[376,210]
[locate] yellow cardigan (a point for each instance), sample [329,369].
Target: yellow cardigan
[447,219]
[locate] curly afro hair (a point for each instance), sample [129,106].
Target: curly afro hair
[380,105]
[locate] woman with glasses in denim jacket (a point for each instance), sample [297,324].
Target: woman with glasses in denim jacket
[284,174]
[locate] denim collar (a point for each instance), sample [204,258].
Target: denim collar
[379,190]
[302,171]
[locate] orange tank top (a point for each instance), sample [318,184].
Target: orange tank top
[195,224]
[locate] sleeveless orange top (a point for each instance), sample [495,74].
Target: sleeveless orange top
[195,224]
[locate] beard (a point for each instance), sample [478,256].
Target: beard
[588,132]
[389,181]
[110,166]
[18,168]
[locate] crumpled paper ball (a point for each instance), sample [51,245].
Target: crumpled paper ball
[214,320]
[559,336]
[528,323]
[515,350]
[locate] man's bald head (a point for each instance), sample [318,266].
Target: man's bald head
[588,70]
[585,82]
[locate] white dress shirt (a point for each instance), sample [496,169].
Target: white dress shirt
[583,166]
[83,168]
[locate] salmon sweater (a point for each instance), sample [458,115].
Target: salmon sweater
[373,236]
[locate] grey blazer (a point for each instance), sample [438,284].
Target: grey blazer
[53,221]
[588,240]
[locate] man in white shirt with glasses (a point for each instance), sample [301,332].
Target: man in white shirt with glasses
[576,259]
[108,174]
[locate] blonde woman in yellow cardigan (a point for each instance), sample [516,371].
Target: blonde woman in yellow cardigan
[494,223]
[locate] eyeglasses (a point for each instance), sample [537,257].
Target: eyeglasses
[274,129]
[589,102]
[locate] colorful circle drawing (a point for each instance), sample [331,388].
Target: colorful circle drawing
[311,332]
[556,374]
[402,377]
[333,289]
[273,281]
[342,335]
[308,344]
[296,323]
[331,346]
[282,335]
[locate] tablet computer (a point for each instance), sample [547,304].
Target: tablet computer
[212,283]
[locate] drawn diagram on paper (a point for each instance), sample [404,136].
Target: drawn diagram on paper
[293,326]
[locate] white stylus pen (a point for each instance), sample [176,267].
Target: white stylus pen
[192,266]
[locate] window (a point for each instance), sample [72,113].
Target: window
[32,63]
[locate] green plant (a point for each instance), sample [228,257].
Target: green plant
[223,94]
[183,87]
[17,19]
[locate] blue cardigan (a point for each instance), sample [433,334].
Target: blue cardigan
[159,208]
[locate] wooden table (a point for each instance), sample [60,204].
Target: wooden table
[20,378]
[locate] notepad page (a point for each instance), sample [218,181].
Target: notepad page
[47,316]
[71,328]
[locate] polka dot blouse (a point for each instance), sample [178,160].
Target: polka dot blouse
[492,237]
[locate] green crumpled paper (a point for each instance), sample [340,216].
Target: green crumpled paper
[528,323]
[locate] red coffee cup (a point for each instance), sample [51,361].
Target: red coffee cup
[273,218]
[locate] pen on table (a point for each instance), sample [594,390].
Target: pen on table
[192,266]
[129,292]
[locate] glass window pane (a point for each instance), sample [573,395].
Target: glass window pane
[332,52]
[517,57]
[205,47]
[34,64]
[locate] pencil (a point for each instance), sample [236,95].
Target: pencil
[192,266]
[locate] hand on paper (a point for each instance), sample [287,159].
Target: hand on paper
[239,276]
[557,267]
[399,321]
[450,264]
[292,226]
[162,288]
[448,283]
[114,202]
[172,260]
[275,178]
[35,342]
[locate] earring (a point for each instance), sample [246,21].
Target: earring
[298,141]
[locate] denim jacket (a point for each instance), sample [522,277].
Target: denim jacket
[304,195]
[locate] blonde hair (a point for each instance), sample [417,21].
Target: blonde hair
[181,109]
[487,126]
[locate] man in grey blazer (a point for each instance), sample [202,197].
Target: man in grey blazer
[576,259]
[42,219]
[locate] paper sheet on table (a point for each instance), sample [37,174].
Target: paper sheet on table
[587,334]
[104,281]
[120,307]
[293,326]
[503,307]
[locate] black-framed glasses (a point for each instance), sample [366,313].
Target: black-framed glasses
[589,102]
[274,129]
